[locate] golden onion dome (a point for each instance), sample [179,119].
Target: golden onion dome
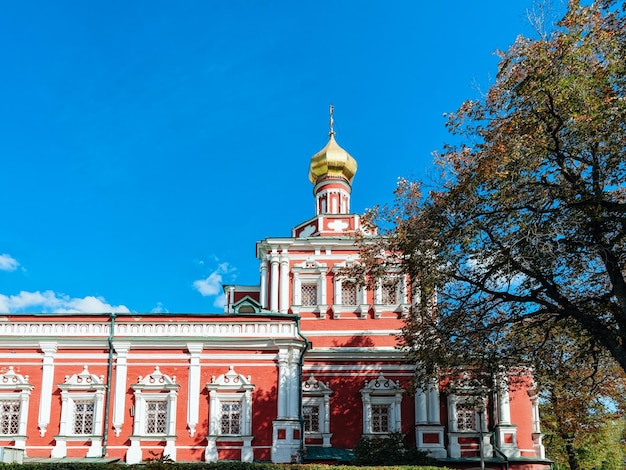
[332,162]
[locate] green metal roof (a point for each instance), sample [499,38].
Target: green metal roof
[318,453]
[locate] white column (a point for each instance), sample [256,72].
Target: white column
[193,387]
[294,386]
[404,297]
[274,281]
[47,379]
[367,414]
[421,412]
[323,288]
[398,413]
[433,403]
[231,299]
[297,289]
[263,295]
[20,442]
[338,284]
[283,392]
[119,403]
[504,406]
[284,282]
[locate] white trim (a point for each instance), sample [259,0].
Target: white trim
[230,386]
[47,377]
[81,387]
[382,391]
[149,389]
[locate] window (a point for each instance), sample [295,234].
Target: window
[156,417]
[309,287]
[14,396]
[382,399]
[309,295]
[82,413]
[389,293]
[84,416]
[316,410]
[231,417]
[348,293]
[154,414]
[10,416]
[380,418]
[230,414]
[466,417]
[311,415]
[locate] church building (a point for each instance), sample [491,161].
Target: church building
[297,368]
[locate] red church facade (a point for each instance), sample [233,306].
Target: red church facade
[302,362]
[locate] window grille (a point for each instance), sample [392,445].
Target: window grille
[311,416]
[380,418]
[309,295]
[231,417]
[466,417]
[9,417]
[348,293]
[83,416]
[156,417]
[389,293]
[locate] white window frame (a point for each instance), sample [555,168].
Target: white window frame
[401,305]
[475,397]
[309,272]
[230,387]
[81,387]
[382,391]
[15,387]
[156,386]
[360,306]
[477,403]
[316,393]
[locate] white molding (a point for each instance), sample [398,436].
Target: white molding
[149,329]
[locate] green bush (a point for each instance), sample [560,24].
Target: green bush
[389,450]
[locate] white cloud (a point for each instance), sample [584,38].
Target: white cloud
[51,302]
[212,284]
[220,301]
[159,308]
[8,263]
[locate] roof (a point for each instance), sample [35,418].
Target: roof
[319,453]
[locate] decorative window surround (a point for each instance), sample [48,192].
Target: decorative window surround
[377,394]
[82,410]
[357,296]
[316,396]
[230,398]
[14,397]
[458,422]
[150,391]
[306,273]
[390,294]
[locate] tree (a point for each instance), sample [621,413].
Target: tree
[527,229]
[583,400]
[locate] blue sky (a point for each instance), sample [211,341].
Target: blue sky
[145,146]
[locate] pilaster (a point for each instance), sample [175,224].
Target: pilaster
[47,378]
[193,387]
